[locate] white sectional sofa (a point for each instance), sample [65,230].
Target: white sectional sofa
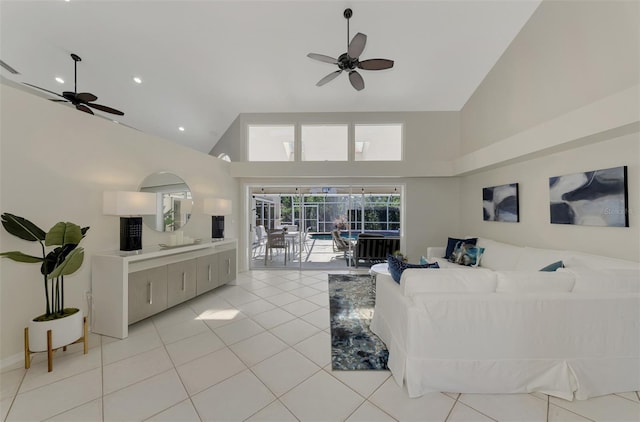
[506,327]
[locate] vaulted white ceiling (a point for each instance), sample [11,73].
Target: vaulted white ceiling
[204,62]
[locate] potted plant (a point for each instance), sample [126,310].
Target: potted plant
[66,324]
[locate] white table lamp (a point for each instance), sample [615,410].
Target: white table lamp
[217,208]
[129,206]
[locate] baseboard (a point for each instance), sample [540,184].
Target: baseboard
[11,361]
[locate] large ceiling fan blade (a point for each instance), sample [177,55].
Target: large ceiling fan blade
[376,64]
[356,80]
[42,89]
[86,97]
[322,58]
[105,109]
[84,108]
[356,46]
[331,76]
[69,96]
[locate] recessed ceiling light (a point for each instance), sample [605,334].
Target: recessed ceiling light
[137,80]
[59,80]
[181,129]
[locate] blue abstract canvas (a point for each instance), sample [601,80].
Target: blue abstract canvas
[592,198]
[500,203]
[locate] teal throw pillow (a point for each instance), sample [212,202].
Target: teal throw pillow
[466,254]
[553,267]
[396,267]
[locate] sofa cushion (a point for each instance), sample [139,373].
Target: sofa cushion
[443,263]
[452,243]
[605,280]
[498,255]
[448,280]
[532,259]
[534,281]
[597,262]
[397,267]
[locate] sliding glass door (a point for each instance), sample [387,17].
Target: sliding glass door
[317,227]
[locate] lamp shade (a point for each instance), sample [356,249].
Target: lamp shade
[217,206]
[128,203]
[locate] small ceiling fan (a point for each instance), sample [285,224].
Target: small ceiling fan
[80,99]
[349,61]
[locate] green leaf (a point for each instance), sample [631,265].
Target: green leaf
[70,265]
[56,257]
[22,228]
[21,257]
[63,234]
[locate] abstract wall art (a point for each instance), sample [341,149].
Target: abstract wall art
[592,198]
[500,203]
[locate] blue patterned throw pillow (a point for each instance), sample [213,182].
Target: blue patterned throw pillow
[452,243]
[396,267]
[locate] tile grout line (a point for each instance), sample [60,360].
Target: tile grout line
[548,407]
[250,369]
[375,391]
[626,398]
[455,402]
[50,383]
[474,409]
[570,411]
[15,396]
[101,378]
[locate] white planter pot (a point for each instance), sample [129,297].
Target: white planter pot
[64,331]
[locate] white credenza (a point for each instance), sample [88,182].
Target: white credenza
[128,288]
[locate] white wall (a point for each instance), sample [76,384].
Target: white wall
[433,212]
[56,162]
[563,98]
[569,54]
[431,143]
[534,228]
[228,142]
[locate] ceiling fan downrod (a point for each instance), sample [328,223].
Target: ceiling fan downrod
[76,59]
[347,15]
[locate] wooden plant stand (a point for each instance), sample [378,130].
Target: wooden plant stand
[27,353]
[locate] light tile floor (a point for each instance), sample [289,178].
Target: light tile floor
[257,350]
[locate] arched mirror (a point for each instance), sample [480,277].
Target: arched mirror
[174,202]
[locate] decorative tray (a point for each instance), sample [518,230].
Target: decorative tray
[165,246]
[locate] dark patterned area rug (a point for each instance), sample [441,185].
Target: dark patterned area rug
[351,302]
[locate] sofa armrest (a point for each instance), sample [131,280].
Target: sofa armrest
[435,252]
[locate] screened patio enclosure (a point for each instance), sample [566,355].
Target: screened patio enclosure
[311,217]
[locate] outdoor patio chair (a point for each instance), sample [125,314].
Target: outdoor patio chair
[259,241]
[276,240]
[340,244]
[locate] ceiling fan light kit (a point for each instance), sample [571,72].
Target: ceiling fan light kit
[82,100]
[350,61]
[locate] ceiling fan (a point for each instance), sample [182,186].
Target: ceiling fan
[79,99]
[349,61]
